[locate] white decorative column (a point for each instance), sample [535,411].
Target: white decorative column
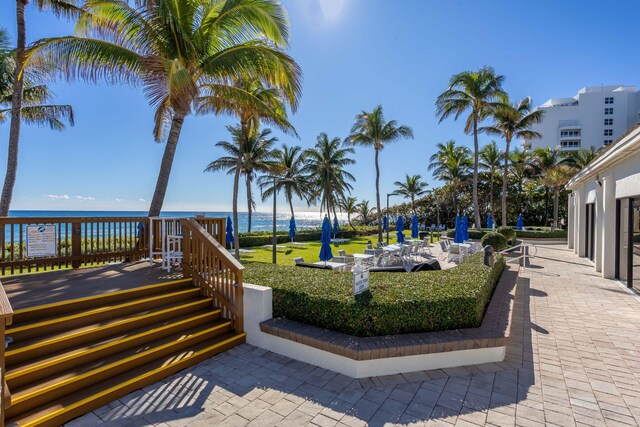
[581,219]
[570,220]
[608,243]
[599,234]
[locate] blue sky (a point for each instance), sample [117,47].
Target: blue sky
[355,54]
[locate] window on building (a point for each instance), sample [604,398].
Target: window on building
[608,122]
[608,132]
[608,110]
[572,143]
[608,142]
[608,100]
[569,133]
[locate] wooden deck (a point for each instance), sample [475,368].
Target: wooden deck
[30,290]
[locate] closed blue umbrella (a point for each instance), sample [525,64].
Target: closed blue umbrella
[457,237]
[414,227]
[400,229]
[229,231]
[465,228]
[385,223]
[336,226]
[520,223]
[325,239]
[489,221]
[292,228]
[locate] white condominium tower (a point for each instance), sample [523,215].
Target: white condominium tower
[596,116]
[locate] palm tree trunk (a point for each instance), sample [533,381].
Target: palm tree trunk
[493,214]
[476,205]
[290,203]
[236,188]
[413,204]
[165,165]
[378,212]
[349,221]
[505,182]
[556,196]
[546,205]
[249,203]
[16,110]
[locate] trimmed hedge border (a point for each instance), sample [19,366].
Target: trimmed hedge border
[395,303]
[523,234]
[261,238]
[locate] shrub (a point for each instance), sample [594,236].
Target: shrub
[261,238]
[496,240]
[395,303]
[508,232]
[532,233]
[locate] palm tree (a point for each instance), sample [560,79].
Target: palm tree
[184,54]
[478,92]
[522,166]
[556,177]
[545,159]
[581,158]
[326,164]
[412,187]
[451,164]
[257,157]
[371,130]
[290,166]
[490,158]
[513,121]
[365,212]
[65,8]
[349,206]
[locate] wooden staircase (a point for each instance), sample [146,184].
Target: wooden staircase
[70,358]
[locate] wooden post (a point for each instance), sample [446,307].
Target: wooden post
[239,303]
[76,245]
[186,253]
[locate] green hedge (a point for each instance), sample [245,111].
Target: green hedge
[496,240]
[261,238]
[395,303]
[529,233]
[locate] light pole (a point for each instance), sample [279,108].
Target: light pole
[387,214]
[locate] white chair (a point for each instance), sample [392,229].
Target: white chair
[174,251]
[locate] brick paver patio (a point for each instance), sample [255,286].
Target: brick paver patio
[576,362]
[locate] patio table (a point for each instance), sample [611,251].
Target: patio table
[333,265]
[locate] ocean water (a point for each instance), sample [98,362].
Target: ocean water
[261,221]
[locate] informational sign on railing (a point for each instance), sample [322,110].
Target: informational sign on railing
[360,282]
[41,241]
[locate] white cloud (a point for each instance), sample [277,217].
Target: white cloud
[119,200]
[85,197]
[141,200]
[58,196]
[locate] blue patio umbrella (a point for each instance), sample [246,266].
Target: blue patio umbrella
[229,231]
[292,228]
[336,226]
[414,227]
[400,229]
[465,228]
[385,223]
[520,223]
[325,239]
[458,237]
[489,221]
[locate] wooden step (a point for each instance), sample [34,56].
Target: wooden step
[41,312]
[80,378]
[24,351]
[99,394]
[34,329]
[51,366]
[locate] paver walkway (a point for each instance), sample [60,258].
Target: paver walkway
[576,362]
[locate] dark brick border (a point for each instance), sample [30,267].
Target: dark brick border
[494,332]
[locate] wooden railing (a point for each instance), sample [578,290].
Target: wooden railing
[214,270]
[78,241]
[6,318]
[213,226]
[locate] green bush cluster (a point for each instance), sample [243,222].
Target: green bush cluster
[261,238]
[508,232]
[396,303]
[496,240]
[529,233]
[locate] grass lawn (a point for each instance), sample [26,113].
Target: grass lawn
[310,250]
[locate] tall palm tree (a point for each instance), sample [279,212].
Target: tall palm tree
[479,93]
[290,166]
[365,212]
[180,51]
[258,157]
[513,121]
[65,8]
[556,177]
[349,206]
[412,187]
[326,164]
[490,158]
[451,164]
[581,158]
[372,130]
[522,166]
[545,159]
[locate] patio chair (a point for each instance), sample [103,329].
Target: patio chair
[454,253]
[369,245]
[342,253]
